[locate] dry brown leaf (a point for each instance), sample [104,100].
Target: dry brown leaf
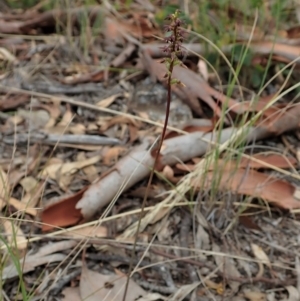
[87,76]
[14,235]
[77,74]
[261,255]
[53,161]
[133,133]
[5,55]
[28,184]
[294,32]
[4,185]
[92,127]
[54,111]
[153,191]
[76,78]
[95,286]
[90,171]
[276,160]
[104,103]
[159,216]
[137,25]
[143,115]
[256,184]
[120,119]
[63,213]
[22,207]
[186,167]
[168,173]
[57,129]
[112,154]
[294,294]
[66,119]
[254,295]
[64,181]
[13,101]
[247,222]
[15,120]
[112,33]
[123,131]
[219,287]
[77,129]
[38,118]
[34,190]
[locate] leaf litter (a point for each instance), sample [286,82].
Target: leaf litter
[77,145]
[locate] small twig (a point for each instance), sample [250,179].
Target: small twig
[43,138]
[123,56]
[56,88]
[166,275]
[288,145]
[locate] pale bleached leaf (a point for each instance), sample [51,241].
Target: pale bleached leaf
[95,286]
[261,255]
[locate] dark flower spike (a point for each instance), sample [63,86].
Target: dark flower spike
[173,47]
